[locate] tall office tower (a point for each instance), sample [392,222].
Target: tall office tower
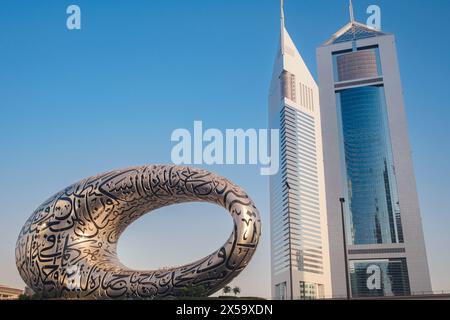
[299,252]
[367,159]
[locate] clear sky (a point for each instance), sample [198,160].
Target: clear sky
[76,103]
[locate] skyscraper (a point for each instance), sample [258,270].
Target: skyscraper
[367,160]
[299,237]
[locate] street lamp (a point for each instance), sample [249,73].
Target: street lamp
[347,281]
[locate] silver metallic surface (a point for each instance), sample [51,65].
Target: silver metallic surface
[68,247]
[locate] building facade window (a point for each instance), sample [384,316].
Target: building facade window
[281,291]
[311,291]
[353,65]
[378,278]
[288,86]
[374,208]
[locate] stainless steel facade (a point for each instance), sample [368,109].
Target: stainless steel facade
[68,247]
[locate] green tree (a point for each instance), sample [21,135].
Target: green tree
[236,291]
[34,296]
[226,290]
[194,291]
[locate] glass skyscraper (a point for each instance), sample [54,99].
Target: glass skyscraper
[299,237]
[367,161]
[371,187]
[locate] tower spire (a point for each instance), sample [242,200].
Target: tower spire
[282,26]
[352,15]
[352,21]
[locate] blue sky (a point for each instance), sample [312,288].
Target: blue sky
[76,103]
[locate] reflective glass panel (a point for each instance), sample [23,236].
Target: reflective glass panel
[373,204]
[377,278]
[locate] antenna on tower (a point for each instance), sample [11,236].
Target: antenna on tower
[282,26]
[352,21]
[352,15]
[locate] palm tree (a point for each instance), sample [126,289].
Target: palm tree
[236,290]
[226,290]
